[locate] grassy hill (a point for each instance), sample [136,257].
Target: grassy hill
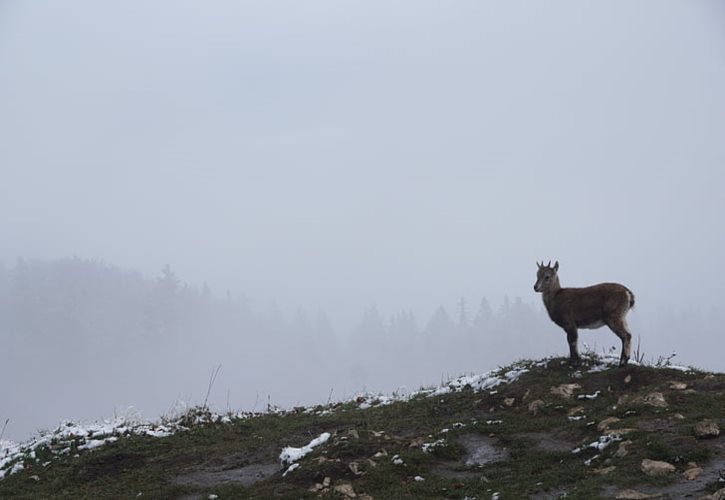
[530,430]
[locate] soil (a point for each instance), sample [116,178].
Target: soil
[481,450]
[237,468]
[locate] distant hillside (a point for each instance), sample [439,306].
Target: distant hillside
[530,430]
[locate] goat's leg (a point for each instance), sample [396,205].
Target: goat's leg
[621,330]
[571,337]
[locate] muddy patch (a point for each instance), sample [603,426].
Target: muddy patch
[481,450]
[478,451]
[231,469]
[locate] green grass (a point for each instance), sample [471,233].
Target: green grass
[147,465]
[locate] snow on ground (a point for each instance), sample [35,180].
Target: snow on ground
[599,444]
[71,438]
[291,455]
[477,383]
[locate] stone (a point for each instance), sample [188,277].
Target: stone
[656,467]
[692,473]
[603,471]
[575,411]
[536,406]
[604,424]
[718,495]
[636,495]
[565,391]
[678,386]
[618,432]
[355,468]
[416,443]
[656,399]
[622,449]
[509,401]
[627,379]
[707,429]
[346,490]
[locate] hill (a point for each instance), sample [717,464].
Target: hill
[535,429]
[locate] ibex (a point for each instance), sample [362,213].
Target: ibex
[590,307]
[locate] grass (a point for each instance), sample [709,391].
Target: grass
[538,457]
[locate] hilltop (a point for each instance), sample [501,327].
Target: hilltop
[534,429]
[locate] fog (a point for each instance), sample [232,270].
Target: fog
[329,197]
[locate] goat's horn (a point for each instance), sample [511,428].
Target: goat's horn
[549,264]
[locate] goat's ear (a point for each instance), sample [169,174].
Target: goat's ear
[556,265]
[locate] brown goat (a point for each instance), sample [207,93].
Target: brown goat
[590,307]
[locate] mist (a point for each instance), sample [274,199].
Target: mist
[331,197]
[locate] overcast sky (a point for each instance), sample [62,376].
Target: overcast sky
[337,154]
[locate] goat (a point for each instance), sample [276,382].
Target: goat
[590,307]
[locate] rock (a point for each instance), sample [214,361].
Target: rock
[320,487]
[636,495]
[565,391]
[509,401]
[692,474]
[618,432]
[536,406]
[706,429]
[575,411]
[603,471]
[353,433]
[416,443]
[627,379]
[346,490]
[718,495]
[678,386]
[622,450]
[678,416]
[355,468]
[604,424]
[526,395]
[656,467]
[655,399]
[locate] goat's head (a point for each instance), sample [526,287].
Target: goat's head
[546,277]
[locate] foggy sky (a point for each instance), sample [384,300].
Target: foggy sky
[336,154]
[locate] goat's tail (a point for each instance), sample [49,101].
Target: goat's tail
[631,298]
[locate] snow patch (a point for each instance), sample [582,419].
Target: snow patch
[291,455]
